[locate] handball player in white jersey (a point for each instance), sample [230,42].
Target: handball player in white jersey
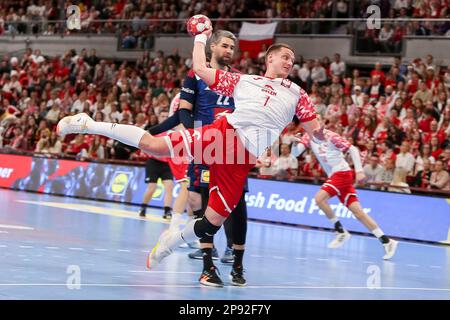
[264,106]
[331,156]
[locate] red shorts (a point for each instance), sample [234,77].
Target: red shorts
[217,146]
[341,184]
[179,168]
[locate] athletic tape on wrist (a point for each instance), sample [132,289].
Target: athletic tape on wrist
[201,38]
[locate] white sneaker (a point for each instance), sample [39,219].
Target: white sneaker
[159,252]
[339,240]
[193,245]
[73,124]
[390,249]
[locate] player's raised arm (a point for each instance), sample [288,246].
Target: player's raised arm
[217,80]
[207,74]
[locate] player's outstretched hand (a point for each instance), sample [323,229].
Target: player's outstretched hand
[208,32]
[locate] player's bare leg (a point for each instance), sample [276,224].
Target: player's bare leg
[342,235]
[390,245]
[148,194]
[168,196]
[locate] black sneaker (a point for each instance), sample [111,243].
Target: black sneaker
[237,277]
[142,213]
[210,278]
[167,215]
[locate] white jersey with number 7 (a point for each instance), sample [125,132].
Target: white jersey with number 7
[263,107]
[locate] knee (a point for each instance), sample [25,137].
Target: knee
[319,199]
[146,142]
[168,186]
[156,146]
[195,202]
[204,228]
[216,219]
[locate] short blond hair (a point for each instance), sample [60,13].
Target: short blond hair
[277,47]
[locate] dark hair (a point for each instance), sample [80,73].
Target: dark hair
[276,47]
[219,34]
[216,37]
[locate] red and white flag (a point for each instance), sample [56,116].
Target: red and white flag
[253,36]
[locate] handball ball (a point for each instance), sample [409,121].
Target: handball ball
[198,24]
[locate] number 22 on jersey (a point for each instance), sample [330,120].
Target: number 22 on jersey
[223,101]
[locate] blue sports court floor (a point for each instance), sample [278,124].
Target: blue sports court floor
[48,243]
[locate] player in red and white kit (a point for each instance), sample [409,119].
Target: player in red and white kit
[331,155]
[231,144]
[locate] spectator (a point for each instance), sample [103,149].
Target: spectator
[357,97]
[405,160]
[385,38]
[436,149]
[376,89]
[80,104]
[78,147]
[286,165]
[336,86]
[398,183]
[434,132]
[265,164]
[318,73]
[424,94]
[53,114]
[372,171]
[96,149]
[305,73]
[337,67]
[440,177]
[445,157]
[387,174]
[18,142]
[422,178]
[50,144]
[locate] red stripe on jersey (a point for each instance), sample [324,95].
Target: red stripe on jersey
[338,141]
[225,82]
[305,109]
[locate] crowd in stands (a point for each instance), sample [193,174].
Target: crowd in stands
[42,15]
[398,116]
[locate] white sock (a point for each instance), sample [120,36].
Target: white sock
[128,134]
[378,232]
[188,233]
[175,222]
[334,220]
[174,240]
